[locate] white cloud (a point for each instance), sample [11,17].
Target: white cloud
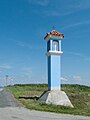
[77,78]
[23,44]
[76,24]
[5,66]
[72,7]
[77,5]
[71,79]
[76,54]
[80,55]
[39,2]
[83,4]
[8,78]
[56,13]
[27,72]
[64,79]
[68,8]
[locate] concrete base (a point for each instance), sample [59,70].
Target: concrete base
[56,97]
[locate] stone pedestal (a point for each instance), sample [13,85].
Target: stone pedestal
[55,97]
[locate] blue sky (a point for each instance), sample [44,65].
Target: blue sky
[23,25]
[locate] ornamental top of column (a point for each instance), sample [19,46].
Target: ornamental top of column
[54,35]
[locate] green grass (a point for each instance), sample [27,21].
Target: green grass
[79,96]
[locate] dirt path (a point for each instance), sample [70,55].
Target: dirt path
[7,99]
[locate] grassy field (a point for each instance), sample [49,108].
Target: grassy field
[28,95]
